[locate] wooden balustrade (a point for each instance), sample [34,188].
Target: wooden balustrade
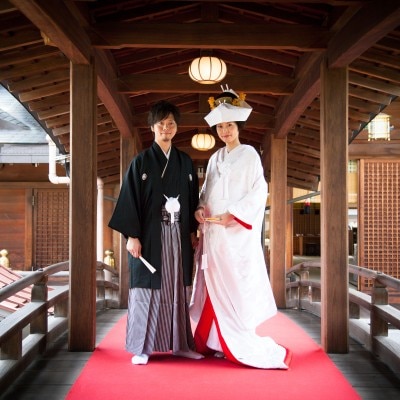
[373,321]
[27,332]
[30,329]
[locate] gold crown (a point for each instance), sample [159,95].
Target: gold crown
[226,99]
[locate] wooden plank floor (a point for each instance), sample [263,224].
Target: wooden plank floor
[52,375]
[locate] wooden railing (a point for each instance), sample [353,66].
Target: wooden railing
[373,321]
[29,330]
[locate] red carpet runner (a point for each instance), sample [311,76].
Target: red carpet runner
[109,374]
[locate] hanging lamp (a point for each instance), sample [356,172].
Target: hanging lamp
[203,141]
[379,127]
[207,70]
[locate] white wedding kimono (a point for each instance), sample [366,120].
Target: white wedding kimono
[231,268]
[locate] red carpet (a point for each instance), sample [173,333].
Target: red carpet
[109,373]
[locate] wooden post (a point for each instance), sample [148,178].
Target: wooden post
[379,296]
[83,193]
[12,348]
[39,294]
[334,236]
[128,150]
[277,220]
[354,311]
[289,230]
[304,291]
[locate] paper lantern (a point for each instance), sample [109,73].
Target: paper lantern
[379,127]
[207,70]
[203,141]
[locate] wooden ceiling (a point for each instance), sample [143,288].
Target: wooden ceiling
[142,50]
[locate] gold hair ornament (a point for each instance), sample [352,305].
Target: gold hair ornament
[235,102]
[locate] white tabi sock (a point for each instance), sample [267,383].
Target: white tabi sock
[140,359]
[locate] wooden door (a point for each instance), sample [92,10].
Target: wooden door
[50,227]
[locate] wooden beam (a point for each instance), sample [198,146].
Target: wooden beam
[375,84]
[44,91]
[345,47]
[304,141]
[117,105]
[376,71]
[375,149]
[173,83]
[49,78]
[208,36]
[330,2]
[62,130]
[55,19]
[196,120]
[24,55]
[111,179]
[306,91]
[61,109]
[303,158]
[20,39]
[35,67]
[373,22]
[106,128]
[110,158]
[381,58]
[49,101]
[306,168]
[300,184]
[302,176]
[57,121]
[370,95]
[298,147]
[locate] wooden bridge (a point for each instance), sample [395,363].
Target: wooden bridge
[33,333]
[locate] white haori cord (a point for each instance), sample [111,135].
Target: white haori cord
[172,206]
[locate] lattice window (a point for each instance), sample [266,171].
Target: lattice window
[379,222]
[51,233]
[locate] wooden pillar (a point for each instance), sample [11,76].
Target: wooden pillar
[82,302]
[334,233]
[128,150]
[277,219]
[289,229]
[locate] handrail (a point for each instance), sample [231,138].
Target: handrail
[372,320]
[387,280]
[32,328]
[31,278]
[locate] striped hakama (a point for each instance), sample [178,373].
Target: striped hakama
[158,320]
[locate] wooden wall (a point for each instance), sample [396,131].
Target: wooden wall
[14,212]
[34,220]
[34,225]
[306,221]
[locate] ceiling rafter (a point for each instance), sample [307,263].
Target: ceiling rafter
[57,22]
[161,83]
[208,36]
[276,63]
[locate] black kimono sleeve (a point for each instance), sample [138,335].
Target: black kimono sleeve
[126,218]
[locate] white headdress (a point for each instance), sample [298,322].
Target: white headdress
[228,107]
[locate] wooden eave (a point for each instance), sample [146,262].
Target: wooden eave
[273,51]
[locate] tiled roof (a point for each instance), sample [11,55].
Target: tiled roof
[17,125]
[21,298]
